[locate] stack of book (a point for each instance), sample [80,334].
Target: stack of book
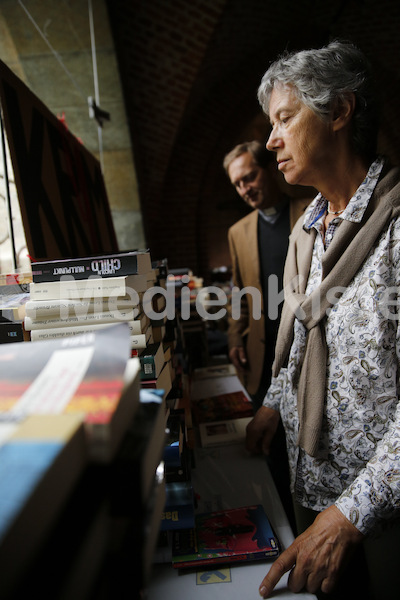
[137,486]
[159,303]
[64,413]
[73,296]
[179,507]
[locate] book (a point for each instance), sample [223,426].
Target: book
[229,405]
[162,382]
[179,508]
[177,456]
[138,323]
[72,557]
[41,460]
[106,265]
[14,300]
[218,433]
[139,456]
[15,279]
[227,536]
[141,340]
[226,370]
[152,361]
[94,287]
[63,308]
[152,528]
[138,340]
[11,331]
[91,374]
[128,566]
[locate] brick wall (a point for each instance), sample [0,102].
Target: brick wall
[190,72]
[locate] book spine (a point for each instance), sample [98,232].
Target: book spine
[138,341]
[227,559]
[105,266]
[148,367]
[84,289]
[53,333]
[89,319]
[37,309]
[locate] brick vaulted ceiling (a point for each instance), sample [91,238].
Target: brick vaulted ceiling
[190,71]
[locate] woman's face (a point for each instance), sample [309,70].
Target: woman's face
[304,144]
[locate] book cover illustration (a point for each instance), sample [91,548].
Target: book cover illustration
[231,535]
[230,405]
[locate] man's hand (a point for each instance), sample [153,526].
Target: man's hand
[261,430]
[238,358]
[317,557]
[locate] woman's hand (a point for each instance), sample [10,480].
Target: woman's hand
[317,557]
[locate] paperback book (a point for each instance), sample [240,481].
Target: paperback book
[227,536]
[91,374]
[92,287]
[106,265]
[41,459]
[63,308]
[138,323]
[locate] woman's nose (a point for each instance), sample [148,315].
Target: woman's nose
[272,141]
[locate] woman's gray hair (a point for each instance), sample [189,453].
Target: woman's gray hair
[322,79]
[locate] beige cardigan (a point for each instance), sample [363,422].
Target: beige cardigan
[340,263]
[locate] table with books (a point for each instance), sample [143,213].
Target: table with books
[225,477]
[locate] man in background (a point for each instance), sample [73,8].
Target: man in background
[258,245]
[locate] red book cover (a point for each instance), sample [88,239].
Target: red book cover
[226,536]
[231,405]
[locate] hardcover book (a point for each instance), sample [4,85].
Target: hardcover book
[225,536]
[106,265]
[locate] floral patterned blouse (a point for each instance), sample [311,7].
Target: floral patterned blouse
[358,466]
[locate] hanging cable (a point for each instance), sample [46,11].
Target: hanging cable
[54,52]
[8,196]
[94,105]
[96,85]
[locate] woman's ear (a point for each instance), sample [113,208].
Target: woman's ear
[343,111]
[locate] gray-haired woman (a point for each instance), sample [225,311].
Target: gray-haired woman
[336,371]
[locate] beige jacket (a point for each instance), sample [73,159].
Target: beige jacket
[246,331]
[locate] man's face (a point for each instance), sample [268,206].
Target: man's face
[255,185]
